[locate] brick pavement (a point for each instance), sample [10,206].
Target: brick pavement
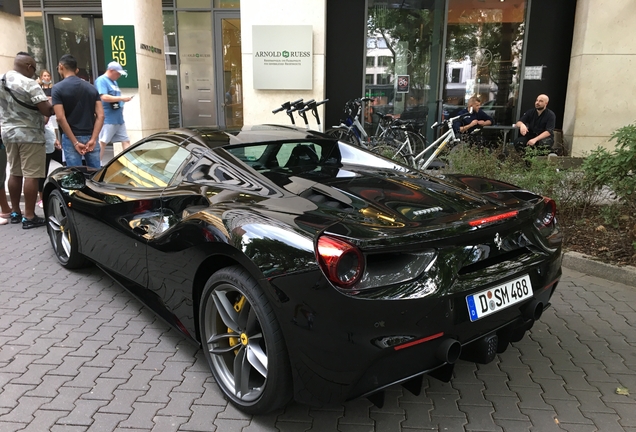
[78,353]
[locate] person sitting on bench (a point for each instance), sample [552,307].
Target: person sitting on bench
[536,127]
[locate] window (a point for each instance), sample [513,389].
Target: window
[371,43]
[385,61]
[152,164]
[35,38]
[368,79]
[370,61]
[383,79]
[455,75]
[485,41]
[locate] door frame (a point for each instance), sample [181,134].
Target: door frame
[217,37]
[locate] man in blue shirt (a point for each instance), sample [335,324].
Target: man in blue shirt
[476,120]
[114,129]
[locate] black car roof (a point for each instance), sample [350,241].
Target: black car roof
[216,137]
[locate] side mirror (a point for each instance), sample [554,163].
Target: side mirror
[73,181]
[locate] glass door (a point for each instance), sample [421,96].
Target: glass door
[483,56]
[80,36]
[403,55]
[227,39]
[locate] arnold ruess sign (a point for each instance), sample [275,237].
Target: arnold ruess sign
[283,57]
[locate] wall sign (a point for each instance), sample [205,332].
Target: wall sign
[283,57]
[533,73]
[150,48]
[403,83]
[119,46]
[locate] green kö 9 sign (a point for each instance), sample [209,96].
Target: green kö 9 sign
[119,46]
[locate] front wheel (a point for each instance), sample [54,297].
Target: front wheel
[62,232]
[242,342]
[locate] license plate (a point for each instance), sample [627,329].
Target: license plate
[499,297]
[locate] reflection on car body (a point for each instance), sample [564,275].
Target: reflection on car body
[306,267]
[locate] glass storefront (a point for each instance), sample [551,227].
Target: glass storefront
[403,44]
[484,43]
[440,52]
[481,43]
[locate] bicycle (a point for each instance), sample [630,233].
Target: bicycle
[394,132]
[350,129]
[406,156]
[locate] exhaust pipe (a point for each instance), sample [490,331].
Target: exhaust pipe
[449,351]
[533,311]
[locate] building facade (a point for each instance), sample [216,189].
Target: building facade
[199,62]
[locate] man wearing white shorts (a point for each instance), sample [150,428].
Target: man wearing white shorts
[114,129]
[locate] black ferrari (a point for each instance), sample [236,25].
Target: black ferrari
[309,268]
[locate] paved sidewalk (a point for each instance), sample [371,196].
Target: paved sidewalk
[78,353]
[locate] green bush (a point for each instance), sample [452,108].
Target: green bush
[532,172]
[615,169]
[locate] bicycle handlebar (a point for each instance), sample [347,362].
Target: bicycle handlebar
[450,121]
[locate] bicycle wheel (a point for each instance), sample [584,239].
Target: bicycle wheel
[390,152]
[417,142]
[343,134]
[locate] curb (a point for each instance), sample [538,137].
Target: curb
[584,264]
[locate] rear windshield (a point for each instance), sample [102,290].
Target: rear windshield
[306,156]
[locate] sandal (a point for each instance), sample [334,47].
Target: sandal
[37,221]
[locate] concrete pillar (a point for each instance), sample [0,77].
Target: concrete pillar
[601,85]
[146,113]
[258,104]
[13,37]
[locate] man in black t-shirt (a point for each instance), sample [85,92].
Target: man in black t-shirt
[79,113]
[536,126]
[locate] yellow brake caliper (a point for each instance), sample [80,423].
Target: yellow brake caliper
[236,340]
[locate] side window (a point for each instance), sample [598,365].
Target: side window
[150,165]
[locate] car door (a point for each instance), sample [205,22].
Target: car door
[119,211]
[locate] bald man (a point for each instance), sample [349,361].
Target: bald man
[23,107]
[536,126]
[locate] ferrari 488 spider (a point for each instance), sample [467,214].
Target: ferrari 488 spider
[306,267]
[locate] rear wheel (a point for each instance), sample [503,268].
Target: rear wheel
[61,229]
[391,152]
[343,134]
[242,342]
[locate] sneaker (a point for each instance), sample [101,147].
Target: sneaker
[40,204]
[37,221]
[15,217]
[3,221]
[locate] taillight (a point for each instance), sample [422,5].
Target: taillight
[547,214]
[342,262]
[492,219]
